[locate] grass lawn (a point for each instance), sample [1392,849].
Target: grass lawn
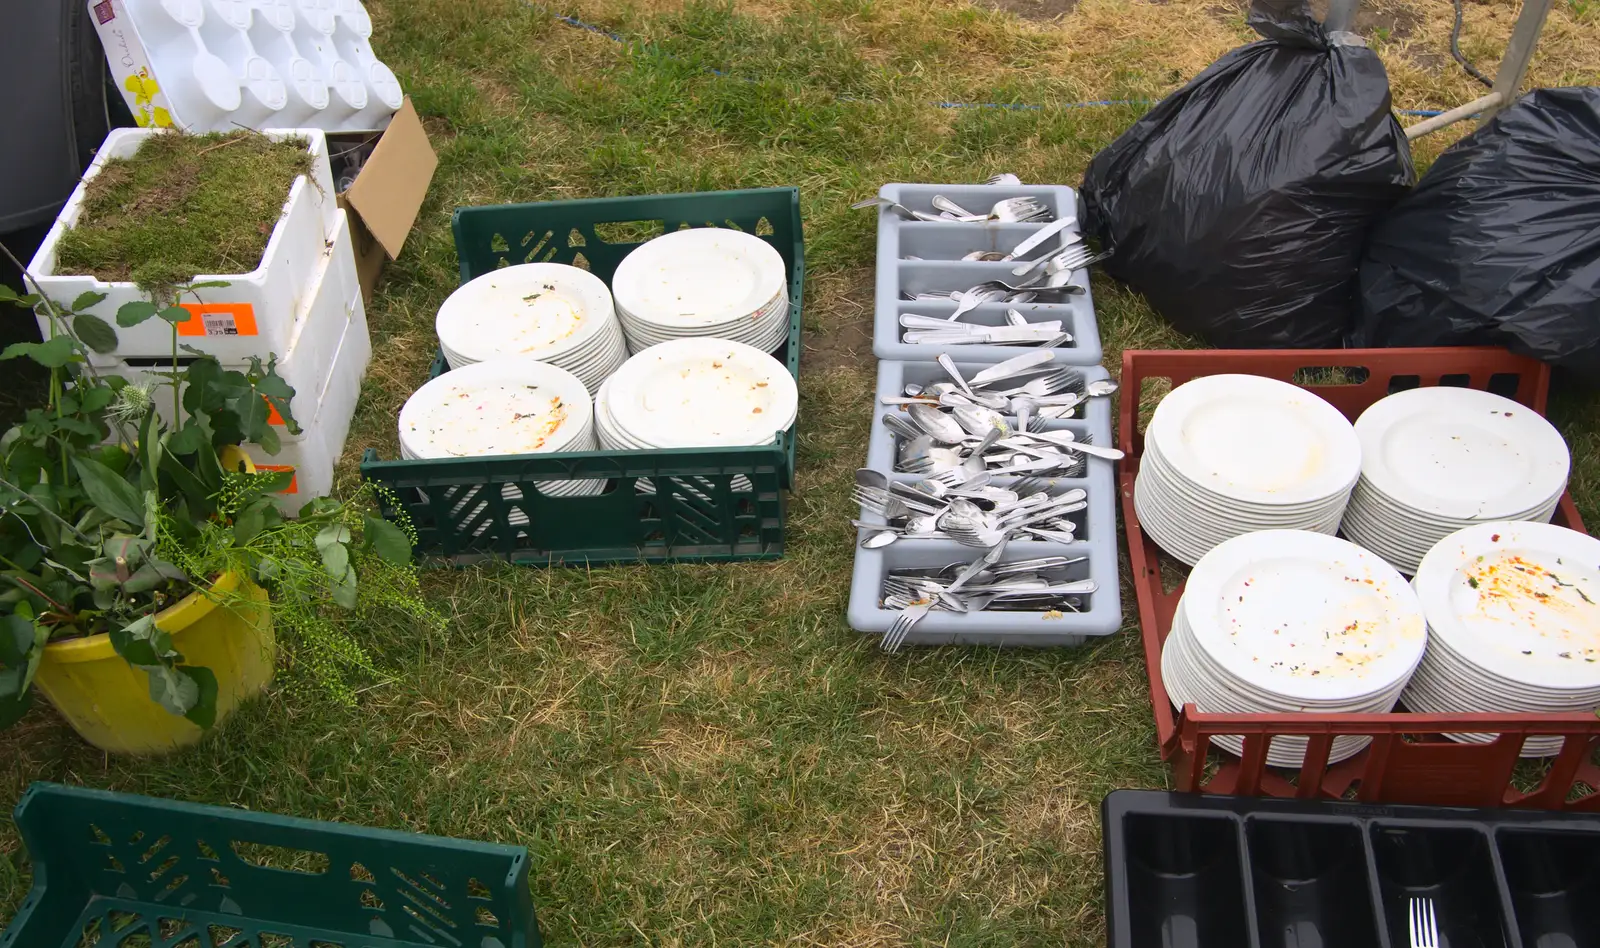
[706,755]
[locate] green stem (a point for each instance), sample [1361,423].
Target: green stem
[177,419]
[49,513]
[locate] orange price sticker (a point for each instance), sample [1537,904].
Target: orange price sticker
[218,319]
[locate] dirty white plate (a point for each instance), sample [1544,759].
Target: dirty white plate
[702,393]
[1256,440]
[1310,617]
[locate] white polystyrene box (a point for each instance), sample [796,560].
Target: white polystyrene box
[331,322]
[312,457]
[254,313]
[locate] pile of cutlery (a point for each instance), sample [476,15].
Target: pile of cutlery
[1040,584]
[1015,210]
[955,431]
[977,514]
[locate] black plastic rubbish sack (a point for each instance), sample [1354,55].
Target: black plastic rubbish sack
[1500,242]
[1239,204]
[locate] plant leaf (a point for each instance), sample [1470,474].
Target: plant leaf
[111,493]
[249,523]
[53,353]
[16,640]
[95,332]
[387,540]
[134,313]
[188,439]
[172,689]
[94,397]
[174,315]
[204,711]
[12,709]
[132,642]
[86,300]
[335,559]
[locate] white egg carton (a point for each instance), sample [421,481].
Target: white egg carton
[254,313]
[213,65]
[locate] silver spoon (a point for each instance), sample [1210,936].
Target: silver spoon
[936,423]
[949,365]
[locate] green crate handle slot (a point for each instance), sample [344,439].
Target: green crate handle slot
[108,867]
[696,504]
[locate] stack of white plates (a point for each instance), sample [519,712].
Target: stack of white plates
[1434,460]
[557,314]
[502,407]
[696,393]
[1513,625]
[1288,621]
[1230,454]
[709,282]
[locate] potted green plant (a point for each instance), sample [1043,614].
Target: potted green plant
[144,570]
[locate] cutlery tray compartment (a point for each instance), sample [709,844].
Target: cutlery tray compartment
[934,242]
[1451,865]
[1181,868]
[941,246]
[692,504]
[1311,878]
[1185,882]
[1095,537]
[1554,880]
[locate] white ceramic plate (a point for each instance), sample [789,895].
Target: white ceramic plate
[1461,453]
[1305,615]
[699,277]
[538,310]
[1214,506]
[1188,537]
[1185,683]
[702,393]
[1256,439]
[499,407]
[1521,600]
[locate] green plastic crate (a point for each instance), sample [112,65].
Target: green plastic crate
[116,870]
[709,503]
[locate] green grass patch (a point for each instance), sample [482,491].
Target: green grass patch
[182,206]
[706,754]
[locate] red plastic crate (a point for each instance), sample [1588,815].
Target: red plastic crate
[1409,760]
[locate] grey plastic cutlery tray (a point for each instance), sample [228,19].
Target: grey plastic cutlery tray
[1188,871]
[940,269]
[1096,537]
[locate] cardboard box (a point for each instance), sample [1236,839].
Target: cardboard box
[388,191]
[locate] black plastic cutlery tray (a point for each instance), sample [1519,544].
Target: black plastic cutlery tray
[1189,871]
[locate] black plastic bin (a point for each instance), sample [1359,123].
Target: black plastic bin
[1188,871]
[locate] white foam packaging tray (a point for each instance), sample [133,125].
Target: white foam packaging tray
[254,314]
[940,269]
[212,65]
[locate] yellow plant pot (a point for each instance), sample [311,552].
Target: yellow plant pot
[107,701]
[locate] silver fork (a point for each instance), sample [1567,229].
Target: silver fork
[1424,925]
[903,623]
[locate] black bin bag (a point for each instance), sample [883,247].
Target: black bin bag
[1499,244]
[1239,204]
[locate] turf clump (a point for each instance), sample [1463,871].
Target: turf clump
[183,205]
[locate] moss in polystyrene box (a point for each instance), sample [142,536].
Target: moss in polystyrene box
[183,205]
